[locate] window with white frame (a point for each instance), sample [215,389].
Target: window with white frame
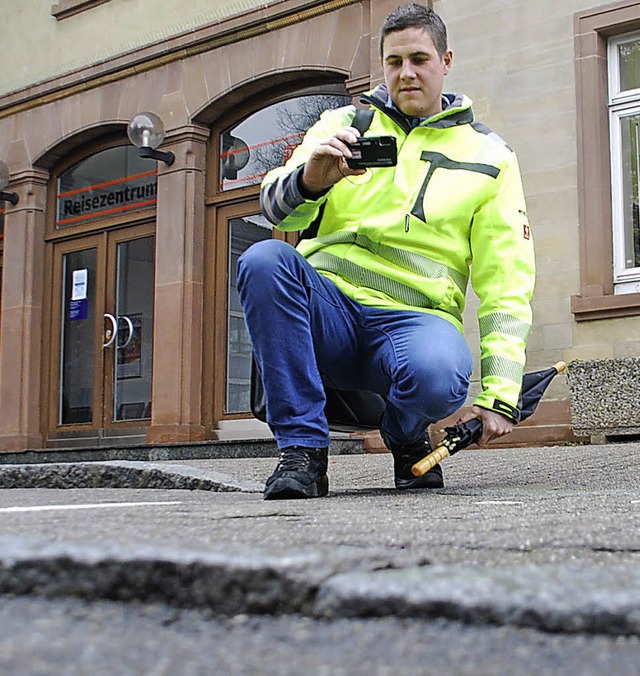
[624,112]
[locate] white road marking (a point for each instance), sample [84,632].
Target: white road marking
[499,502]
[99,505]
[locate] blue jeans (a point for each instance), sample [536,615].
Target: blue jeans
[305,331]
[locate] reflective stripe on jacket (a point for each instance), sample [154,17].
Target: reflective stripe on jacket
[405,237]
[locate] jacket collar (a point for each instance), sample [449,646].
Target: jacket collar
[456,110]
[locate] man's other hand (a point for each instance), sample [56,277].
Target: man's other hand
[494,424]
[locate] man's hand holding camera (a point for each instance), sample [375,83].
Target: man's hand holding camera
[327,164]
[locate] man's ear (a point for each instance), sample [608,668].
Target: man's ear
[448,60]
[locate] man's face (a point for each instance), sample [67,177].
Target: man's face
[414,71]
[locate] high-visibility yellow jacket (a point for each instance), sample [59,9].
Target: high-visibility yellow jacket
[410,236]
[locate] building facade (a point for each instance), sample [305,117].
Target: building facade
[119,317]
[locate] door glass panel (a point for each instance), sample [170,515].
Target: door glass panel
[1,252]
[78,337]
[134,313]
[243,232]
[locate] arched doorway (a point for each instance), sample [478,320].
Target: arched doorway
[101,268]
[243,146]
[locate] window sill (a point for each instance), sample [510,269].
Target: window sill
[67,8]
[588,308]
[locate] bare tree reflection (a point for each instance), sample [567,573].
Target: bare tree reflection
[293,121]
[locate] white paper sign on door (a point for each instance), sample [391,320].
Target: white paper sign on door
[80,279]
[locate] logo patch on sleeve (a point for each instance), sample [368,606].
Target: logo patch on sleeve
[526,229]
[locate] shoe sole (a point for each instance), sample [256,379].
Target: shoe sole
[287,488]
[419,482]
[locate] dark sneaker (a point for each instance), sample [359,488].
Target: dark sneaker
[301,473]
[404,457]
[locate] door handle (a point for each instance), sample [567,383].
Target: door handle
[131,331]
[112,333]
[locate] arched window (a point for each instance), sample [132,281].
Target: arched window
[113,182]
[267,138]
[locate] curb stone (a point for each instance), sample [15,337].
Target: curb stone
[121,474]
[341,444]
[228,582]
[546,597]
[329,584]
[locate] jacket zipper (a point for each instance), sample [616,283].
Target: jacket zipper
[401,122]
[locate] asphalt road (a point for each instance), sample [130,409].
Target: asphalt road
[49,638]
[499,507]
[519,540]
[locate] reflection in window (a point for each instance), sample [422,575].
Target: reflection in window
[630,151]
[243,232]
[267,138]
[629,56]
[109,183]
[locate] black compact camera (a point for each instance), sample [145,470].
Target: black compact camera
[373,151]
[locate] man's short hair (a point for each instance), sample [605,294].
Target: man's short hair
[415,16]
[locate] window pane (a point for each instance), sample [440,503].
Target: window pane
[243,232]
[631,174]
[629,53]
[109,183]
[267,138]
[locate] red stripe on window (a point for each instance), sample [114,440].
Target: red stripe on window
[228,181]
[259,145]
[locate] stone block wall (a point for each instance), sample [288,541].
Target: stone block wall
[605,394]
